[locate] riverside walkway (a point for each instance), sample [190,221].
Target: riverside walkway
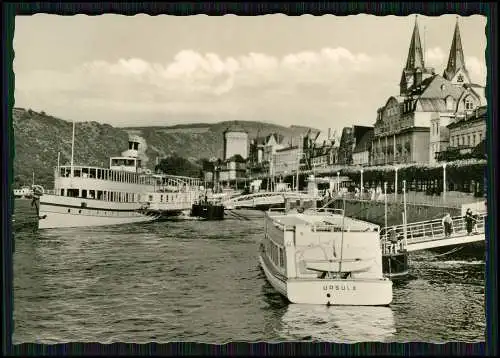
[451,200]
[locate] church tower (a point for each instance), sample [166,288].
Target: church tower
[415,71]
[455,70]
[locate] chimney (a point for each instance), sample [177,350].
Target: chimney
[329,133]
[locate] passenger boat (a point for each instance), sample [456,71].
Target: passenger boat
[122,193]
[23,193]
[319,256]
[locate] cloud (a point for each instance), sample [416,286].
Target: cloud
[437,58]
[329,87]
[297,88]
[477,69]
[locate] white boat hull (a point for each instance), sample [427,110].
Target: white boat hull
[359,292]
[58,220]
[63,212]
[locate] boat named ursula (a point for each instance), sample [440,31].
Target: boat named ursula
[319,256]
[122,193]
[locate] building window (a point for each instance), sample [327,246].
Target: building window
[463,140]
[480,137]
[468,140]
[460,78]
[473,140]
[469,103]
[452,141]
[450,103]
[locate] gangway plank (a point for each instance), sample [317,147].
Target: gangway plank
[443,242]
[430,234]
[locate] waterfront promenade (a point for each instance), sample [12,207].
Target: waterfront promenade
[449,200]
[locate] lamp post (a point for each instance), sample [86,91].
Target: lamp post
[396,184]
[362,185]
[444,182]
[299,156]
[385,206]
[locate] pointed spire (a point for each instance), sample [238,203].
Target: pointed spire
[456,59]
[415,54]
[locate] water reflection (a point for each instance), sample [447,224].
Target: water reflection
[338,324]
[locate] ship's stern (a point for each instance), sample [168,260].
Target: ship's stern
[374,292]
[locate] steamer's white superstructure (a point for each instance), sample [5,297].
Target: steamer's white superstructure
[318,256]
[122,193]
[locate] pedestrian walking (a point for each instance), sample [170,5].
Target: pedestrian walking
[469,221]
[447,225]
[476,219]
[393,239]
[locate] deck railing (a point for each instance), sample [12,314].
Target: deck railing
[430,230]
[349,225]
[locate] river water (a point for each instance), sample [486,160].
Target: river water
[200,281]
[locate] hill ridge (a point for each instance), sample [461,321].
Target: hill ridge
[39,137]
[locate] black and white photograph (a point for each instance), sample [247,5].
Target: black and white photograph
[266,178]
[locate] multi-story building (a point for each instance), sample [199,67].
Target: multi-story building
[323,152]
[467,135]
[262,150]
[233,168]
[411,127]
[350,136]
[235,142]
[469,129]
[361,155]
[286,161]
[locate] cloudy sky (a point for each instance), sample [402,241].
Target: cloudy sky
[320,71]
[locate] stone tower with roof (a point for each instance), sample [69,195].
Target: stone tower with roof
[235,142]
[455,71]
[414,71]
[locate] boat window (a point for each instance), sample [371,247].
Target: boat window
[92,173]
[99,195]
[62,192]
[161,198]
[72,193]
[282,257]
[91,194]
[151,198]
[77,172]
[85,172]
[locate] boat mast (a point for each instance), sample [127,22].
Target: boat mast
[33,180]
[72,148]
[342,237]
